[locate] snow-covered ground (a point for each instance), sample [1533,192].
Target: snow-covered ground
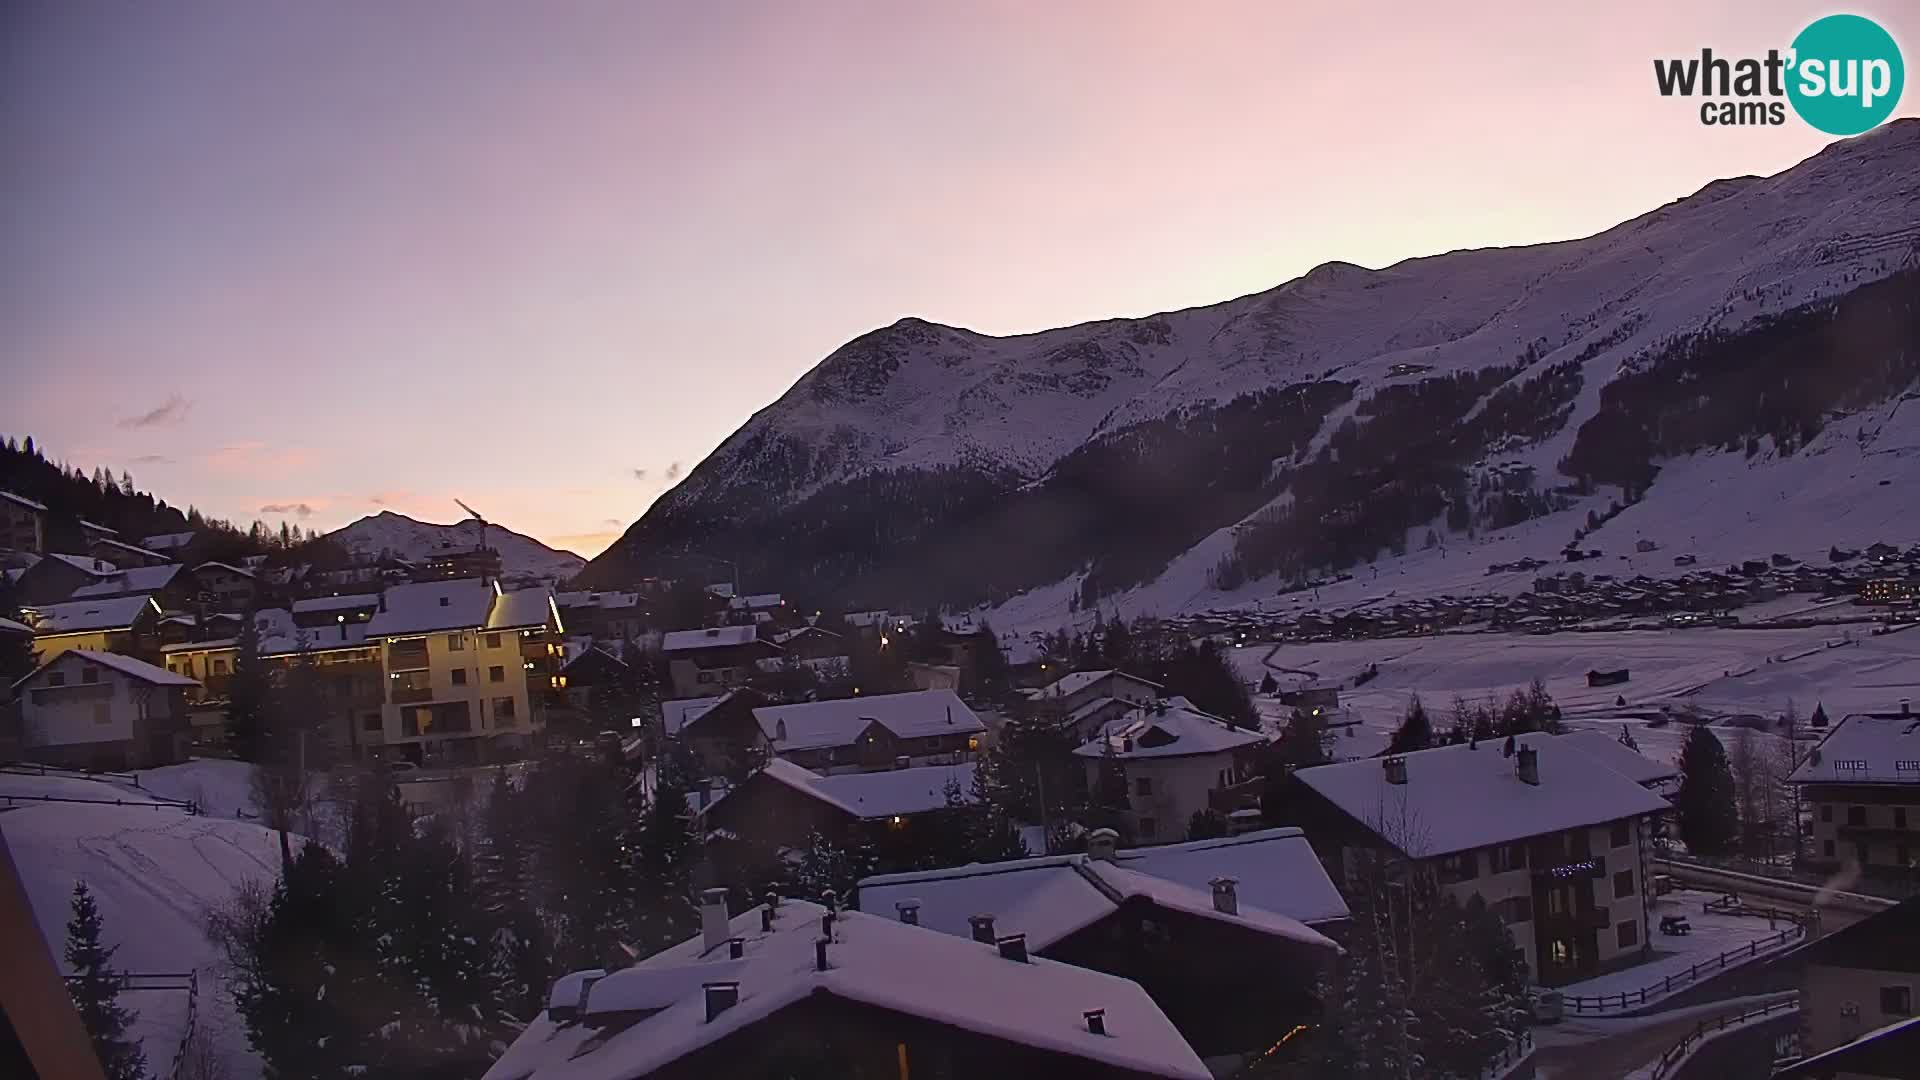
[154,872]
[1713,934]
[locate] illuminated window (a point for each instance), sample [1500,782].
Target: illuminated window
[973,742]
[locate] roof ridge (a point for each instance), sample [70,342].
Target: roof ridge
[1084,867]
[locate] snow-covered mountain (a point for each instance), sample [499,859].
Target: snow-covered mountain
[1334,419]
[397,535]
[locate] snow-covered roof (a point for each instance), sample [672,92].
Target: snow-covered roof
[1277,871]
[22,500]
[125,665]
[893,792]
[228,567]
[1865,748]
[166,541]
[872,960]
[124,546]
[348,602]
[1168,729]
[94,526]
[1609,751]
[521,609]
[8,626]
[786,636]
[674,715]
[756,602]
[1457,798]
[1073,683]
[422,607]
[817,724]
[134,579]
[96,567]
[713,637]
[83,616]
[586,598]
[313,639]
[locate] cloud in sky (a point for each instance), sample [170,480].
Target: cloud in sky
[639,474]
[612,523]
[168,413]
[152,459]
[673,471]
[299,509]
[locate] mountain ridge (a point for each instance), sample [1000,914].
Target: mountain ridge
[394,533]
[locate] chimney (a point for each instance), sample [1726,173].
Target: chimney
[1013,947]
[1906,707]
[713,919]
[721,996]
[766,919]
[820,953]
[1100,844]
[736,948]
[1096,1021]
[1528,765]
[1396,769]
[982,928]
[1226,895]
[909,910]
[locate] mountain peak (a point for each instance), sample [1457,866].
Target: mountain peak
[392,533]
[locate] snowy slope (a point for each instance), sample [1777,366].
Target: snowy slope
[917,396]
[405,538]
[153,873]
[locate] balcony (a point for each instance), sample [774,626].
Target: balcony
[402,655]
[403,695]
[1586,919]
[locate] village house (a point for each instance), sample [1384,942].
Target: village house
[23,523]
[1862,784]
[706,661]
[604,616]
[1090,699]
[224,587]
[1171,757]
[1227,935]
[791,981]
[347,610]
[172,545]
[121,624]
[458,669]
[816,648]
[124,555]
[880,731]
[1857,981]
[54,577]
[96,710]
[780,804]
[1552,839]
[166,583]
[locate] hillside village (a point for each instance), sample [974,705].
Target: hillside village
[1168,847]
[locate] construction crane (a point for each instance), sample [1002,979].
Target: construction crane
[475,514]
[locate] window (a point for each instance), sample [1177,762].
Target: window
[371,722]
[493,641]
[1517,909]
[1623,884]
[456,642]
[496,673]
[503,708]
[1148,827]
[704,677]
[1507,857]
[219,666]
[1856,815]
[89,674]
[103,712]
[1896,1001]
[459,676]
[1143,786]
[57,678]
[1627,934]
[1622,833]
[1462,867]
[1826,848]
[1826,811]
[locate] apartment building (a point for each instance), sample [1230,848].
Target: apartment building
[1548,835]
[23,523]
[458,669]
[224,587]
[1863,785]
[347,691]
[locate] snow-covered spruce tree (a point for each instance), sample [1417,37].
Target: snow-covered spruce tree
[95,985]
[301,983]
[824,865]
[1415,731]
[517,947]
[662,911]
[249,694]
[1705,803]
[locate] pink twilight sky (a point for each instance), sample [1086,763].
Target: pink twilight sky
[308,260]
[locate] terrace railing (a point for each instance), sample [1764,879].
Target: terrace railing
[1680,980]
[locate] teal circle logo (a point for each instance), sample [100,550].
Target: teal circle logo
[1846,76]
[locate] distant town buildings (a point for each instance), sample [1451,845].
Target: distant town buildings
[22,523]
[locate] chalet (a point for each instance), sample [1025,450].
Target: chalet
[813,646]
[1071,693]
[23,523]
[125,555]
[350,609]
[173,545]
[605,616]
[1550,837]
[758,608]
[1225,935]
[1171,758]
[791,981]
[121,624]
[166,583]
[1862,783]
[720,732]
[1607,678]
[700,662]
[923,727]
[780,804]
[1857,980]
[54,577]
[1310,696]
[91,531]
[224,587]
[97,710]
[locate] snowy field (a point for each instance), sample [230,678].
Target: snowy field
[154,872]
[1720,672]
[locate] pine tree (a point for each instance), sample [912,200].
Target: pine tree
[517,958]
[1705,803]
[1415,731]
[249,695]
[17,658]
[1206,824]
[95,987]
[824,865]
